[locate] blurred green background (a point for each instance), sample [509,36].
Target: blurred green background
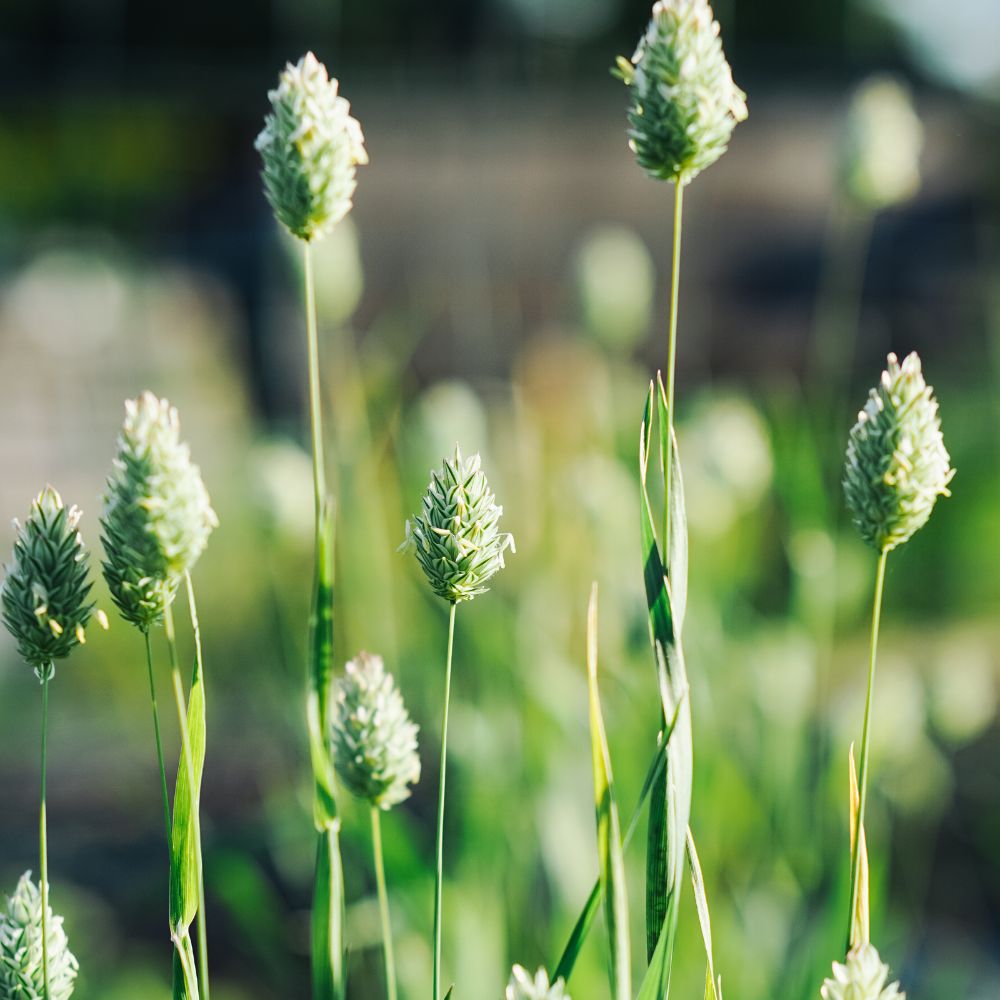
[502,283]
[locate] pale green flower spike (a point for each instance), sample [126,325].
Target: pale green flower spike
[45,588]
[897,465]
[374,741]
[21,974]
[523,987]
[456,536]
[862,977]
[883,138]
[157,514]
[311,147]
[685,104]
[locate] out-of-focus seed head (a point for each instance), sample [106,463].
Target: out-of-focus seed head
[685,104]
[862,977]
[524,986]
[157,514]
[883,139]
[46,587]
[310,147]
[374,741]
[897,465]
[21,974]
[456,536]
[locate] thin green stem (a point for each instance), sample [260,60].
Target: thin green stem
[383,904]
[440,816]
[863,776]
[202,915]
[156,732]
[675,278]
[43,845]
[315,401]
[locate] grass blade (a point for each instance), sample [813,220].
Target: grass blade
[862,919]
[328,967]
[704,917]
[609,842]
[670,805]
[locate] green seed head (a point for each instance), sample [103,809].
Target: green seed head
[456,536]
[21,973]
[157,514]
[45,587]
[897,465]
[523,987]
[374,741]
[684,102]
[310,146]
[883,138]
[862,977]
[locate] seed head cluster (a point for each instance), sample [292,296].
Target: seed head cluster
[862,977]
[21,973]
[157,514]
[374,741]
[310,147]
[524,986]
[456,536]
[897,465]
[684,103]
[46,587]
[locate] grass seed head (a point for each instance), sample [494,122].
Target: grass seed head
[862,977]
[374,741]
[46,587]
[310,147]
[157,514]
[685,104]
[897,465]
[21,973]
[523,986]
[456,536]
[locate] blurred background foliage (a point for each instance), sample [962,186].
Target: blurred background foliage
[502,282]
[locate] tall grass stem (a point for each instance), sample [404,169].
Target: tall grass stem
[156,732]
[439,869]
[43,845]
[383,904]
[675,278]
[863,777]
[315,404]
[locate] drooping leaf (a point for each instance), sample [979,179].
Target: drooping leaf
[609,843]
[670,805]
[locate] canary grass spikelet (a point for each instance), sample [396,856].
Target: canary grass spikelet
[310,147]
[684,103]
[456,536]
[524,986]
[46,587]
[897,465]
[157,514]
[21,973]
[374,741]
[862,977]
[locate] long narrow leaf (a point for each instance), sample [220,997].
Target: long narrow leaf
[184,891]
[704,917]
[609,843]
[328,965]
[670,804]
[583,924]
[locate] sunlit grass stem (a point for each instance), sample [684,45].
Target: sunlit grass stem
[863,778]
[383,904]
[439,868]
[43,847]
[315,401]
[156,733]
[675,276]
